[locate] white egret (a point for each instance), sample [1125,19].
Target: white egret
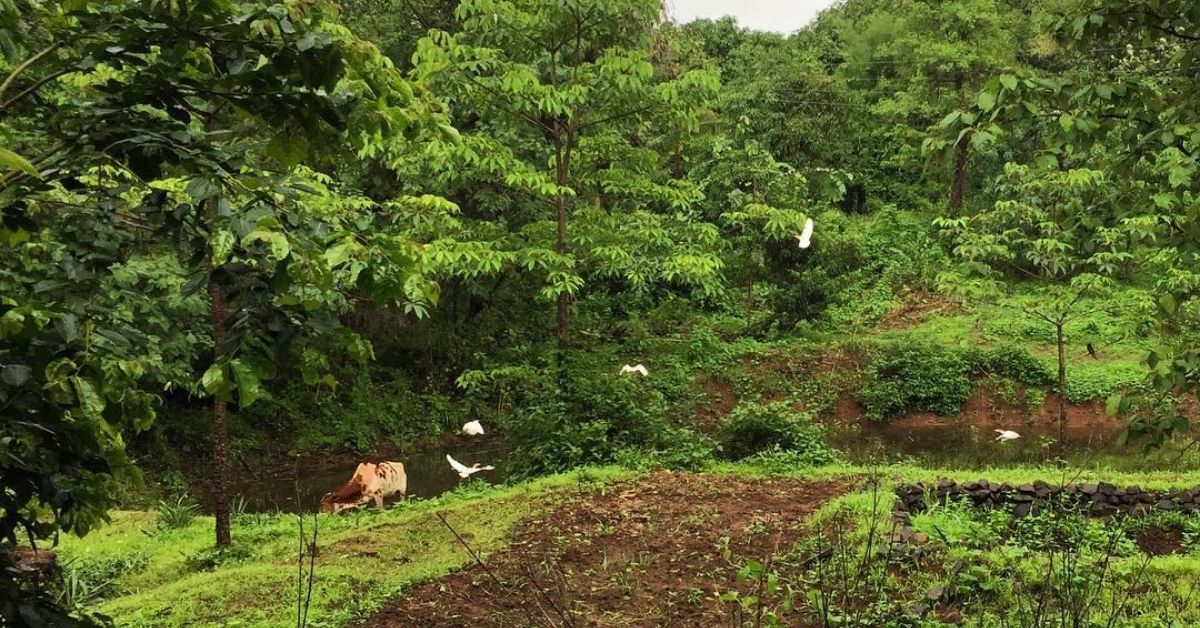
[639,369]
[805,236]
[1006,435]
[463,470]
[472,428]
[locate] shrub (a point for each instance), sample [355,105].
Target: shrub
[754,427]
[683,449]
[1015,363]
[604,418]
[176,513]
[915,376]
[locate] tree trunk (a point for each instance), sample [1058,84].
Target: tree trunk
[561,155]
[960,175]
[960,160]
[220,425]
[1062,387]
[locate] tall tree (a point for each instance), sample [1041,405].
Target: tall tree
[1126,101]
[562,110]
[1043,232]
[151,142]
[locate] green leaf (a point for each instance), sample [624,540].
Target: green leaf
[13,161]
[222,246]
[215,381]
[1168,304]
[339,253]
[89,400]
[1008,81]
[1114,404]
[248,386]
[276,240]
[289,149]
[986,100]
[15,374]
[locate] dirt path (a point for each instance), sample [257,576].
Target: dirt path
[640,553]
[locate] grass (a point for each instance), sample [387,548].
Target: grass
[365,558]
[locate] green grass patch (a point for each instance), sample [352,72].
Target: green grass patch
[364,559]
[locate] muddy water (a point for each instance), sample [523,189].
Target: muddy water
[958,443]
[428,472]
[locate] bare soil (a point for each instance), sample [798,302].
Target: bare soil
[1157,541]
[717,403]
[916,307]
[640,553]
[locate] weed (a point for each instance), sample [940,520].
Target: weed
[177,513]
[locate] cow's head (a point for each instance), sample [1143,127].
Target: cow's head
[329,505]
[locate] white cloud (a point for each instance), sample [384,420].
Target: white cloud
[781,16]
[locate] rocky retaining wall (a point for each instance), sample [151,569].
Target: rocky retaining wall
[1100,499]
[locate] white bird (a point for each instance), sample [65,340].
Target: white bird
[639,369]
[1006,435]
[463,470]
[805,236]
[472,428]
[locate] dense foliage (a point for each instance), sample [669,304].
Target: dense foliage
[237,226]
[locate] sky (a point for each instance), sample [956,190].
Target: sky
[781,16]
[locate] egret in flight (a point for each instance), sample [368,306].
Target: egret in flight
[639,369]
[463,470]
[1006,435]
[805,236]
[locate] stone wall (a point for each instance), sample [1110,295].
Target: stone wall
[1100,499]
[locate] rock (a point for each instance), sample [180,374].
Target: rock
[35,564]
[1027,489]
[1022,510]
[1088,489]
[920,538]
[935,593]
[1166,504]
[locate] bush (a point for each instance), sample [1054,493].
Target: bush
[915,376]
[754,427]
[604,418]
[684,450]
[1015,363]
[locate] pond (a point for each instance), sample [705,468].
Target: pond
[428,472]
[972,444]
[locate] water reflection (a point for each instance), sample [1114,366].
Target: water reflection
[957,443]
[428,472]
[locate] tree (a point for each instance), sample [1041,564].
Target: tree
[1126,101]
[563,114]
[152,143]
[1042,233]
